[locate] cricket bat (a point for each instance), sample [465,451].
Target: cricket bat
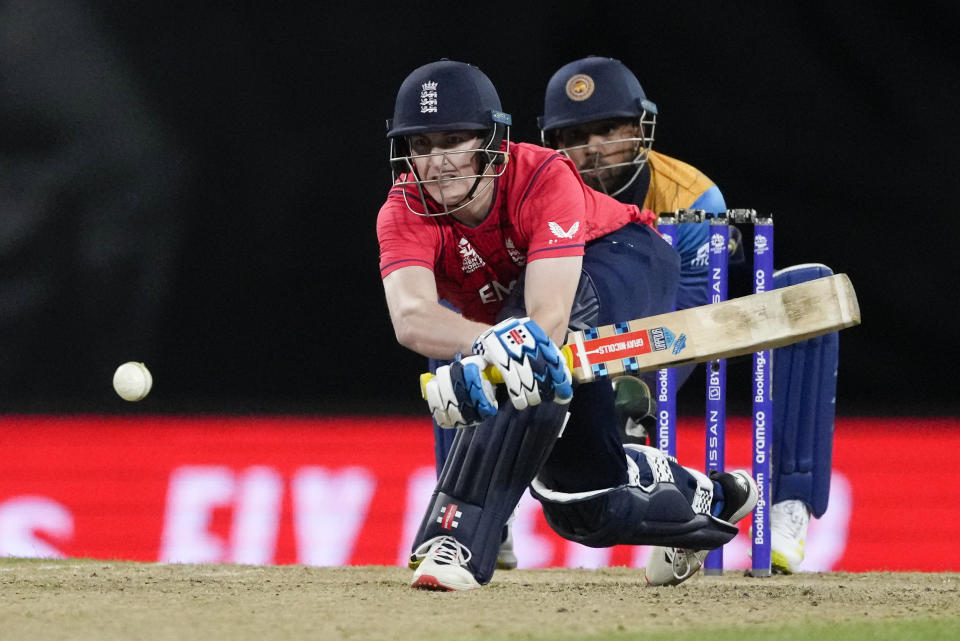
[734,327]
[730,328]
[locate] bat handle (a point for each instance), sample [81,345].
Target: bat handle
[492,374]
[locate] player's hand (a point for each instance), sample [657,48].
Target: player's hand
[531,364]
[460,395]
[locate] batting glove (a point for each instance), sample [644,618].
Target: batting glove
[532,367]
[460,395]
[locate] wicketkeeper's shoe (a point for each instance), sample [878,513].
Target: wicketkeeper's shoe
[788,526]
[444,567]
[672,566]
[506,558]
[635,409]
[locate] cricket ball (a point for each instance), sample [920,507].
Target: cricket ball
[132,381]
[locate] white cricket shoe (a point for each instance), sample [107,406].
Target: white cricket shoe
[419,554]
[672,566]
[444,567]
[788,533]
[506,557]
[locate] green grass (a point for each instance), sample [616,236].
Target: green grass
[898,630]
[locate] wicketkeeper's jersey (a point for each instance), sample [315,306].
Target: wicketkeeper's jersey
[667,185]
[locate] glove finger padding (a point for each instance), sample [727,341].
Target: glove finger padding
[459,395]
[531,364]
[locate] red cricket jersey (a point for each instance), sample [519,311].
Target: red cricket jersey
[541,209]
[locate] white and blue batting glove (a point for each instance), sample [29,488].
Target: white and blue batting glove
[460,395]
[532,367]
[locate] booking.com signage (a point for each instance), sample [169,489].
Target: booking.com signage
[351,491]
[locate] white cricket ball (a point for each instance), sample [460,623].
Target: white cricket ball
[132,381]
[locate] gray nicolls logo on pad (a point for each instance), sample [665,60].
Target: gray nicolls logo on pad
[448,516]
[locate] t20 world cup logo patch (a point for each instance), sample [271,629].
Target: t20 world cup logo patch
[718,244]
[471,259]
[760,245]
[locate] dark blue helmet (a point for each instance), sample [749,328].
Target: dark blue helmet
[447,96]
[598,90]
[592,88]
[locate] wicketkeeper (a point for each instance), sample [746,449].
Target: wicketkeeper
[597,114]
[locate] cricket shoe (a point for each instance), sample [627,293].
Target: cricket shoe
[788,533]
[506,557]
[635,409]
[740,494]
[444,567]
[419,554]
[672,566]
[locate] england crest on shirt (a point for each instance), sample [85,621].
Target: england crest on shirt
[515,254]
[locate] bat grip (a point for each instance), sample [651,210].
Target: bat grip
[492,374]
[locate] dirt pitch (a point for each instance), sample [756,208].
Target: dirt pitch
[42,600]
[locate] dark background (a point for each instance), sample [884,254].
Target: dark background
[196,187]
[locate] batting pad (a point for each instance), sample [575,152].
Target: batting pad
[486,473]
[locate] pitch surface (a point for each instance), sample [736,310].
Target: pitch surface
[85,599]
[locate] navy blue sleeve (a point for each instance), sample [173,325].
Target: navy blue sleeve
[691,244]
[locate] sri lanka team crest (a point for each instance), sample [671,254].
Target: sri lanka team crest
[580,87]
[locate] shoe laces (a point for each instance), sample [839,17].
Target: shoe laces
[449,551]
[681,563]
[421,552]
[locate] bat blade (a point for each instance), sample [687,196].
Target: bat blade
[720,330]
